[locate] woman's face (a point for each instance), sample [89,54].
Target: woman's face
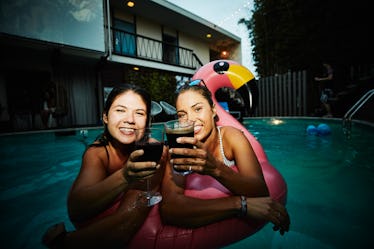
[127,113]
[191,105]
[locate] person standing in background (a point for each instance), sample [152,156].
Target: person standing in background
[326,85]
[48,108]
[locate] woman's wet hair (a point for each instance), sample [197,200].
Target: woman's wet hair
[105,137]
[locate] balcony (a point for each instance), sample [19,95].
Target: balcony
[141,47]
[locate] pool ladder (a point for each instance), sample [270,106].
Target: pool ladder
[347,119]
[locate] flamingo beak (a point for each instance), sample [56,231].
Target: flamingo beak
[239,75]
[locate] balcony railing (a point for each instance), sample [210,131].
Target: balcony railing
[138,46]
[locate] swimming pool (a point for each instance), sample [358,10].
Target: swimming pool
[330,182]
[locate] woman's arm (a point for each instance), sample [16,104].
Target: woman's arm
[113,231]
[180,210]
[184,211]
[93,190]
[249,180]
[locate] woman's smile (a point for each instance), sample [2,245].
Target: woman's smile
[127,131]
[197,128]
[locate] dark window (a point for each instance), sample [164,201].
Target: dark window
[124,38]
[170,49]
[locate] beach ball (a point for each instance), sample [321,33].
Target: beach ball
[311,130]
[323,129]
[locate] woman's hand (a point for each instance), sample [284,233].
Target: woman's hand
[265,208]
[135,171]
[197,159]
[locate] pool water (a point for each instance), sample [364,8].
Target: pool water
[330,183]
[36,172]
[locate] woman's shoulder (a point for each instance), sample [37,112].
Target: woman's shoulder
[96,146]
[231,130]
[230,133]
[96,150]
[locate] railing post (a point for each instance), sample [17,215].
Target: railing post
[304,80]
[289,95]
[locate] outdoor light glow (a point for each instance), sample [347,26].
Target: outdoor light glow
[224,54]
[136,68]
[130,4]
[208,35]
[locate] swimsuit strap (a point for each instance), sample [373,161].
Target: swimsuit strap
[226,161]
[107,152]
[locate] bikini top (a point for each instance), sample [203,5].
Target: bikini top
[226,161]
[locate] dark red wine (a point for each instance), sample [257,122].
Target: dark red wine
[152,151]
[172,136]
[175,129]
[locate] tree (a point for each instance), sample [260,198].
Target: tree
[297,34]
[160,85]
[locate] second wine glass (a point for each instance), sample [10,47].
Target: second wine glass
[151,140]
[179,128]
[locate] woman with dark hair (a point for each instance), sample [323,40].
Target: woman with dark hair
[226,172]
[109,175]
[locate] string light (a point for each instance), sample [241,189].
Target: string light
[235,13]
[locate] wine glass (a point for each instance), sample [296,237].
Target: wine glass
[151,140]
[179,128]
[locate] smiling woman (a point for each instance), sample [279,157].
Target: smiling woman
[112,173]
[227,162]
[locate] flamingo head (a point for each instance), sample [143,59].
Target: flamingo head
[230,74]
[224,73]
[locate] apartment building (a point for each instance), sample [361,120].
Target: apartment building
[68,54]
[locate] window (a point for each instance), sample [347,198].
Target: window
[170,49]
[124,38]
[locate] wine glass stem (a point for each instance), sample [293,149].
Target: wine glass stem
[148,191]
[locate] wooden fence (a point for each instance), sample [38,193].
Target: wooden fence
[283,95]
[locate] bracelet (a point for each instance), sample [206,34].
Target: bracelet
[243,209]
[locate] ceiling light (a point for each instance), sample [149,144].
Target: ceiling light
[130,4]
[208,35]
[224,54]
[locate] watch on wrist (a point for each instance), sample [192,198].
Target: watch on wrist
[243,208]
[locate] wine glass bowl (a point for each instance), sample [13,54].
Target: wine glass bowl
[179,128]
[151,141]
